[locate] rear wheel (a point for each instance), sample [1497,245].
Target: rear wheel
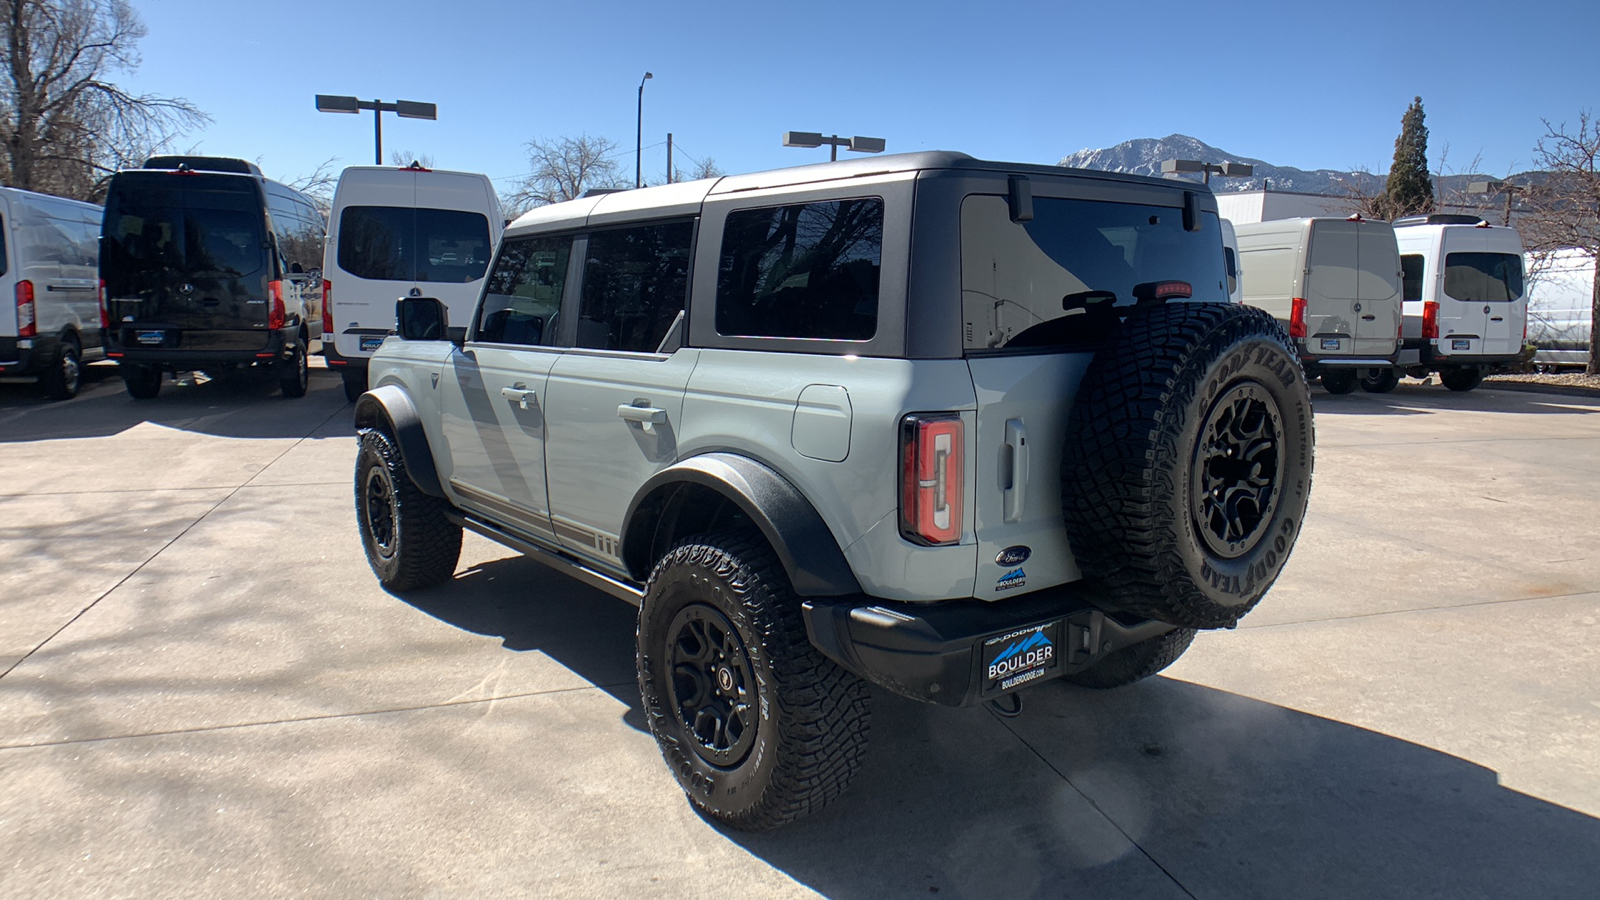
[408,536]
[295,375]
[143,382]
[1339,381]
[1461,378]
[1380,381]
[1136,662]
[1188,463]
[62,379]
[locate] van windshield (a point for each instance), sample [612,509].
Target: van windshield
[1483,277]
[194,225]
[1053,280]
[402,243]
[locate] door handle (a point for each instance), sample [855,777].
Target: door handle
[520,395]
[644,415]
[1011,500]
[1369,318]
[1497,318]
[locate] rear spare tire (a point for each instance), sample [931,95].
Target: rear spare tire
[1188,463]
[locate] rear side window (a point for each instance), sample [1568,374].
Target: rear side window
[524,291]
[398,243]
[1483,277]
[1411,280]
[2,245]
[804,271]
[635,281]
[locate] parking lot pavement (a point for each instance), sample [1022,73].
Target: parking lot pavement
[204,692]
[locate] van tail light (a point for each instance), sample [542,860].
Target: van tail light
[105,311]
[1297,318]
[327,306]
[1430,319]
[279,314]
[931,478]
[27,325]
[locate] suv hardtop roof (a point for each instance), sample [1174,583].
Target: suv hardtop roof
[685,197]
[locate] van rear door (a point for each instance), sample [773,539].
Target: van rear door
[1332,290]
[1481,310]
[186,260]
[1377,322]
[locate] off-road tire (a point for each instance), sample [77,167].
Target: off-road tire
[1339,381]
[65,375]
[1138,476]
[295,373]
[1461,378]
[1136,662]
[1380,381]
[409,539]
[143,382]
[810,716]
[355,384]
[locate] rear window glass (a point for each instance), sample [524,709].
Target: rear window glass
[804,271]
[1411,281]
[1053,281]
[635,281]
[398,243]
[1483,277]
[194,225]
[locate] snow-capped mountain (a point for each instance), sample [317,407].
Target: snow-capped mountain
[1144,155]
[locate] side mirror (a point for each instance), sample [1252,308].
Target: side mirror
[421,319]
[296,269]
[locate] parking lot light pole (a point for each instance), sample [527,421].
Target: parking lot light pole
[858,143]
[405,109]
[638,136]
[1225,170]
[1497,187]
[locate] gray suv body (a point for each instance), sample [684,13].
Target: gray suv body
[949,426]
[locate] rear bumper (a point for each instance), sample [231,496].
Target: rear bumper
[278,346]
[938,652]
[27,356]
[1422,353]
[339,362]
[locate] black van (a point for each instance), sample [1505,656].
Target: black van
[205,264]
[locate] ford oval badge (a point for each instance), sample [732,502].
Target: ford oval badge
[1013,556]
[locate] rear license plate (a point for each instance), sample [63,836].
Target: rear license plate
[369,344]
[1460,345]
[1020,657]
[151,338]
[1330,343]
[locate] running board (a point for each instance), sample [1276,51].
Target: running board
[555,559]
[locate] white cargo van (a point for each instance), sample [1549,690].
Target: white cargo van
[396,233]
[1465,307]
[49,252]
[1560,286]
[1230,255]
[1335,283]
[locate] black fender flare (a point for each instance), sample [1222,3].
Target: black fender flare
[391,409]
[813,560]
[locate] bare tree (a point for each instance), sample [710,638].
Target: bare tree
[64,124]
[562,169]
[405,158]
[318,184]
[1561,209]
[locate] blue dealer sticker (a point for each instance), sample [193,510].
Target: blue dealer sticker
[1011,580]
[1330,343]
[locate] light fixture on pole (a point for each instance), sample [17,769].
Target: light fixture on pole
[1497,187]
[405,109]
[857,144]
[638,136]
[1225,170]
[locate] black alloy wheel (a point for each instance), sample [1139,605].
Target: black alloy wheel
[1235,476]
[713,687]
[379,500]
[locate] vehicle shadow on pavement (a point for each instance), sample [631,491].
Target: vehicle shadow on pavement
[1231,796]
[240,405]
[1421,399]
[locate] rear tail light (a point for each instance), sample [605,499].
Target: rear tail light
[279,314]
[1297,318]
[931,478]
[105,311]
[1430,319]
[27,326]
[327,307]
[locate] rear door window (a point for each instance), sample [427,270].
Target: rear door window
[194,225]
[1335,261]
[1483,277]
[1411,264]
[394,243]
[523,297]
[635,281]
[1380,263]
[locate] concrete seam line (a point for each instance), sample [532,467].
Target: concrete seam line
[300,719]
[1103,814]
[1422,609]
[163,548]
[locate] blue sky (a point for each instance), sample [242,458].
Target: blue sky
[1313,85]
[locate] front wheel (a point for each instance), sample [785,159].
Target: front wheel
[758,727]
[408,536]
[1380,381]
[1339,381]
[142,382]
[1463,378]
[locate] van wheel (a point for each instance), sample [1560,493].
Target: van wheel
[1461,378]
[62,380]
[355,384]
[408,536]
[1380,381]
[296,378]
[757,726]
[1136,662]
[143,382]
[1339,381]
[1188,463]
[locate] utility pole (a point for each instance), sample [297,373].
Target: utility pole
[669,157]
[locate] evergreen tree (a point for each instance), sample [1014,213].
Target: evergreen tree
[1409,190]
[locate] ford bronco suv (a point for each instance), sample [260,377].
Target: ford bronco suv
[946,426]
